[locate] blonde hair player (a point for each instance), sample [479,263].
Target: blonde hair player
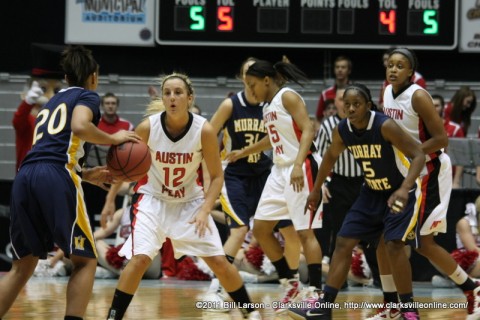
[168,201]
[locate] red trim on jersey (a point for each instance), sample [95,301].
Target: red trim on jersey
[309,177]
[140,183]
[425,181]
[422,135]
[134,220]
[298,132]
[200,181]
[309,173]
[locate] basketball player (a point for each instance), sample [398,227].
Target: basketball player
[389,199]
[412,108]
[290,133]
[47,199]
[170,203]
[241,118]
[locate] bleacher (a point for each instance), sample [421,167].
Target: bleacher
[134,97]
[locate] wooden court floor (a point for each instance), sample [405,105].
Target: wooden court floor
[44,298]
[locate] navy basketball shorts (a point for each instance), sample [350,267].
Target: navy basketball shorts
[47,208]
[370,216]
[240,196]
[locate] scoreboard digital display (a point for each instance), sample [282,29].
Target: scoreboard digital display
[370,24]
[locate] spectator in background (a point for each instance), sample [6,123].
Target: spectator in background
[110,121]
[330,109]
[417,78]
[453,130]
[44,82]
[461,107]
[342,70]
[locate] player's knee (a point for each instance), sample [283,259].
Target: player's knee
[261,232]
[239,233]
[306,235]
[218,264]
[344,245]
[395,246]
[140,262]
[425,250]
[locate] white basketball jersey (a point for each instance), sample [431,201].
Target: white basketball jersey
[282,130]
[401,110]
[173,175]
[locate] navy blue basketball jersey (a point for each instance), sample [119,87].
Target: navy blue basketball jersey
[245,127]
[384,166]
[53,140]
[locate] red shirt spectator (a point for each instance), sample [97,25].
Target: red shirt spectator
[461,107]
[453,129]
[329,93]
[24,123]
[116,125]
[110,121]
[342,69]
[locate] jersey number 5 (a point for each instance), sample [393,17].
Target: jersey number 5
[367,170]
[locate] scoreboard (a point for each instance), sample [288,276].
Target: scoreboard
[369,24]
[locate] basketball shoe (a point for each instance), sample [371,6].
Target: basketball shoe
[312,313]
[291,290]
[386,313]
[308,295]
[473,303]
[410,315]
[216,297]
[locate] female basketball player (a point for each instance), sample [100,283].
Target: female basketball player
[47,199]
[388,201]
[290,133]
[170,203]
[412,108]
[241,118]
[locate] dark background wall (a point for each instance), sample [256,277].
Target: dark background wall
[26,21]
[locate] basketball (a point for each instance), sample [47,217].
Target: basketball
[129,161]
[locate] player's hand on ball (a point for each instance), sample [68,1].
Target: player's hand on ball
[122,136]
[34,93]
[313,201]
[99,176]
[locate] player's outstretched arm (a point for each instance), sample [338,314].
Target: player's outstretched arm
[83,127]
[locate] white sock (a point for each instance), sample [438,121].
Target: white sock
[459,276]
[388,285]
